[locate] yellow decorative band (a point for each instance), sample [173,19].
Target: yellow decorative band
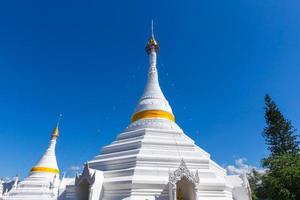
[45,169]
[152,114]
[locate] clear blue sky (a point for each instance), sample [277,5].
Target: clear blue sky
[86,59]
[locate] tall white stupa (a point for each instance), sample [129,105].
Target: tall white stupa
[43,180]
[154,159]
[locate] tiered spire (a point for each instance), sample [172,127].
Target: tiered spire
[153,103]
[48,163]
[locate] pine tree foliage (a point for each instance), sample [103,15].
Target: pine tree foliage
[279,132]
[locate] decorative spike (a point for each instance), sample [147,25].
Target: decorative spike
[16,180]
[55,132]
[152,44]
[152,29]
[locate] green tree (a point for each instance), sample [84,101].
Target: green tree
[282,181]
[282,178]
[279,132]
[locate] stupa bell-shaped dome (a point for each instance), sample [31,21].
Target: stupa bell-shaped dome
[153,109]
[47,165]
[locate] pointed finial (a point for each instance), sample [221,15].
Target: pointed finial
[16,180]
[86,164]
[152,44]
[152,28]
[55,132]
[58,119]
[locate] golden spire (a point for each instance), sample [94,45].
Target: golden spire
[152,44]
[55,132]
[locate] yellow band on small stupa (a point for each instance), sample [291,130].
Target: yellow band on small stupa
[45,169]
[152,114]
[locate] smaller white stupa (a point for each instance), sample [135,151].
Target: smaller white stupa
[43,180]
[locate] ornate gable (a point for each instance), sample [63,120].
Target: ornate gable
[86,175]
[181,172]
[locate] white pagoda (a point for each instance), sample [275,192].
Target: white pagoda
[154,159]
[43,180]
